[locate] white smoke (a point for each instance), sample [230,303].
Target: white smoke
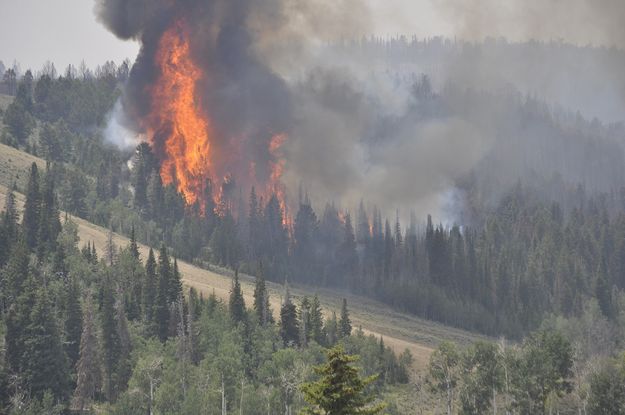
[116,131]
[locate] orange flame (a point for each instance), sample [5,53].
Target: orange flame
[185,139]
[175,114]
[275,178]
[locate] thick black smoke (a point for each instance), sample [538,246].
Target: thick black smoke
[245,100]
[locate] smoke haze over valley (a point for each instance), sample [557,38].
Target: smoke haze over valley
[217,206]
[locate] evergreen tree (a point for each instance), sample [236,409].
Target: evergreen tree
[304,322]
[88,376]
[348,258]
[175,284]
[150,288]
[345,325]
[289,329]
[110,339]
[340,389]
[261,300]
[254,224]
[101,186]
[17,322]
[15,273]
[73,322]
[161,311]
[236,303]
[94,254]
[155,197]
[49,223]
[44,362]
[123,368]
[304,234]
[316,322]
[143,165]
[10,215]
[134,248]
[32,208]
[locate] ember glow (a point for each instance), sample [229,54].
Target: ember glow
[176,122]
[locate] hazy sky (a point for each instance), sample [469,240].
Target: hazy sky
[65,31]
[62,31]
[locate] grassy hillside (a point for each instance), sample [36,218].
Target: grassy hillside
[14,165]
[400,331]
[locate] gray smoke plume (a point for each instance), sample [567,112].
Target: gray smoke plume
[357,128]
[581,22]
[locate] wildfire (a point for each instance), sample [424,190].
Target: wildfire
[175,117]
[185,139]
[277,170]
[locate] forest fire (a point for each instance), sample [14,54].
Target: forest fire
[175,122]
[277,170]
[181,131]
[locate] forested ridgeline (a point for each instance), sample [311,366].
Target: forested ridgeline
[110,330]
[538,234]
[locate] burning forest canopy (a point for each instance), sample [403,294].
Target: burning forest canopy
[249,93]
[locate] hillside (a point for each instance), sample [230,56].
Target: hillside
[400,331]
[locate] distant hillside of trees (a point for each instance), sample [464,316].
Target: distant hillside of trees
[541,220]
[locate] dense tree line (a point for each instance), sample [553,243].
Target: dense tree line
[539,249]
[83,327]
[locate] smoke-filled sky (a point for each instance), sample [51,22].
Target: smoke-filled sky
[65,31]
[268,72]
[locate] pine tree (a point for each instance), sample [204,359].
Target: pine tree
[110,250]
[110,339]
[289,328]
[304,322]
[73,322]
[175,284]
[261,300]
[150,288]
[161,311]
[101,186]
[254,230]
[316,322]
[345,325]
[32,208]
[340,389]
[123,368]
[16,273]
[10,216]
[44,363]
[94,254]
[88,376]
[86,251]
[17,321]
[347,253]
[236,303]
[49,222]
[134,248]
[142,171]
